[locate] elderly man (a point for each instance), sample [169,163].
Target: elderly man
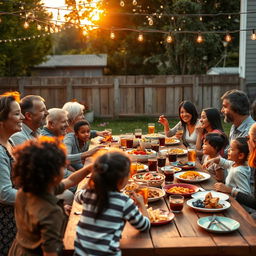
[35,113]
[235,108]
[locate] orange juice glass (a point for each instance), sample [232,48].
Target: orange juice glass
[143,190]
[151,128]
[123,141]
[191,155]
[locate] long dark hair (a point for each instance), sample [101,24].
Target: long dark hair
[108,170]
[191,109]
[213,116]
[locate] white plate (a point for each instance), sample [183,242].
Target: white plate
[201,194]
[180,152]
[159,190]
[170,167]
[154,136]
[206,177]
[145,167]
[173,141]
[225,204]
[230,223]
[135,157]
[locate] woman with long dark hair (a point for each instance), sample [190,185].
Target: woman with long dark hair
[188,120]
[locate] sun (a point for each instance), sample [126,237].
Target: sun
[59,9]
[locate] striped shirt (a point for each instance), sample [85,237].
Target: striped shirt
[102,236]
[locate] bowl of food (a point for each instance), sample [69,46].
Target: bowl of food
[171,141]
[181,189]
[154,194]
[153,179]
[178,151]
[192,176]
[141,155]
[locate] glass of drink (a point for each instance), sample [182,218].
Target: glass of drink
[138,133]
[152,164]
[179,132]
[123,142]
[151,128]
[162,141]
[169,175]
[161,160]
[143,190]
[133,169]
[176,203]
[172,157]
[155,145]
[129,140]
[191,155]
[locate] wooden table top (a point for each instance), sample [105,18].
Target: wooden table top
[182,236]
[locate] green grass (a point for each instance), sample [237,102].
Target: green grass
[126,125]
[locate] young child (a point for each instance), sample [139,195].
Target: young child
[213,144]
[39,215]
[238,178]
[77,144]
[106,209]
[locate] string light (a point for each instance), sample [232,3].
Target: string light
[150,21]
[169,39]
[122,4]
[199,38]
[134,2]
[39,27]
[228,38]
[201,18]
[140,37]
[253,35]
[26,25]
[112,35]
[229,17]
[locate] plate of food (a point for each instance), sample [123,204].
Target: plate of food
[154,179]
[181,189]
[192,176]
[109,139]
[159,216]
[141,155]
[178,151]
[138,167]
[202,194]
[152,136]
[170,167]
[154,194]
[171,141]
[184,165]
[208,204]
[218,224]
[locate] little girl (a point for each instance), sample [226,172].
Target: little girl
[212,146]
[78,144]
[238,178]
[106,209]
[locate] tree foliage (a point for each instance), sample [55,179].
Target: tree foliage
[18,57]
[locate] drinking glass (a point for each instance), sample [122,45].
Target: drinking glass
[176,203]
[169,175]
[179,132]
[172,157]
[138,133]
[161,160]
[192,156]
[123,142]
[152,164]
[151,128]
[143,190]
[129,140]
[155,145]
[162,141]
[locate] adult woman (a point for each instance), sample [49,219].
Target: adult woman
[188,121]
[210,122]
[10,123]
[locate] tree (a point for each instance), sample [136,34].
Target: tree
[19,56]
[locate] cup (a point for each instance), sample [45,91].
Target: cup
[176,203]
[172,157]
[138,133]
[123,141]
[191,155]
[133,169]
[162,141]
[161,160]
[169,175]
[129,140]
[151,128]
[179,132]
[143,190]
[152,164]
[155,145]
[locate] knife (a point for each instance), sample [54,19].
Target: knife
[222,224]
[212,220]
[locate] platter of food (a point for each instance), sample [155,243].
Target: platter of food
[181,189]
[141,155]
[154,136]
[153,179]
[218,224]
[208,204]
[178,151]
[159,216]
[109,139]
[202,194]
[138,167]
[171,141]
[154,194]
[192,176]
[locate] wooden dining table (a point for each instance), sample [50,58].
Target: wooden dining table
[182,236]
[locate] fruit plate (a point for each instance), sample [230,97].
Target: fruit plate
[181,189]
[224,203]
[205,176]
[171,141]
[231,224]
[154,194]
[166,215]
[202,194]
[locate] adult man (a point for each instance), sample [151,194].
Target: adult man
[235,108]
[34,110]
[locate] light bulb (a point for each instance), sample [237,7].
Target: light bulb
[122,3]
[228,38]
[140,38]
[46,29]
[26,25]
[84,32]
[200,18]
[199,39]
[169,39]
[253,36]
[112,35]
[134,2]
[150,22]
[172,18]
[39,27]
[229,17]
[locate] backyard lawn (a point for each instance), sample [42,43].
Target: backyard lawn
[127,125]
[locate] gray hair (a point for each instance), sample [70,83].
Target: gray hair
[54,114]
[73,109]
[239,101]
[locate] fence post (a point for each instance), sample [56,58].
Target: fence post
[69,95]
[116,97]
[195,90]
[21,85]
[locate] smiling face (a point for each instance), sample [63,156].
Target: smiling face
[38,114]
[233,152]
[227,111]
[59,126]
[204,121]
[185,116]
[208,149]
[83,133]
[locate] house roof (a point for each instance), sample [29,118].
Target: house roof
[223,71]
[78,60]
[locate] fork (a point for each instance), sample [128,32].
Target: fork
[211,220]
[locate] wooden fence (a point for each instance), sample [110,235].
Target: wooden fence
[119,96]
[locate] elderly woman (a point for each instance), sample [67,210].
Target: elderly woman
[10,123]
